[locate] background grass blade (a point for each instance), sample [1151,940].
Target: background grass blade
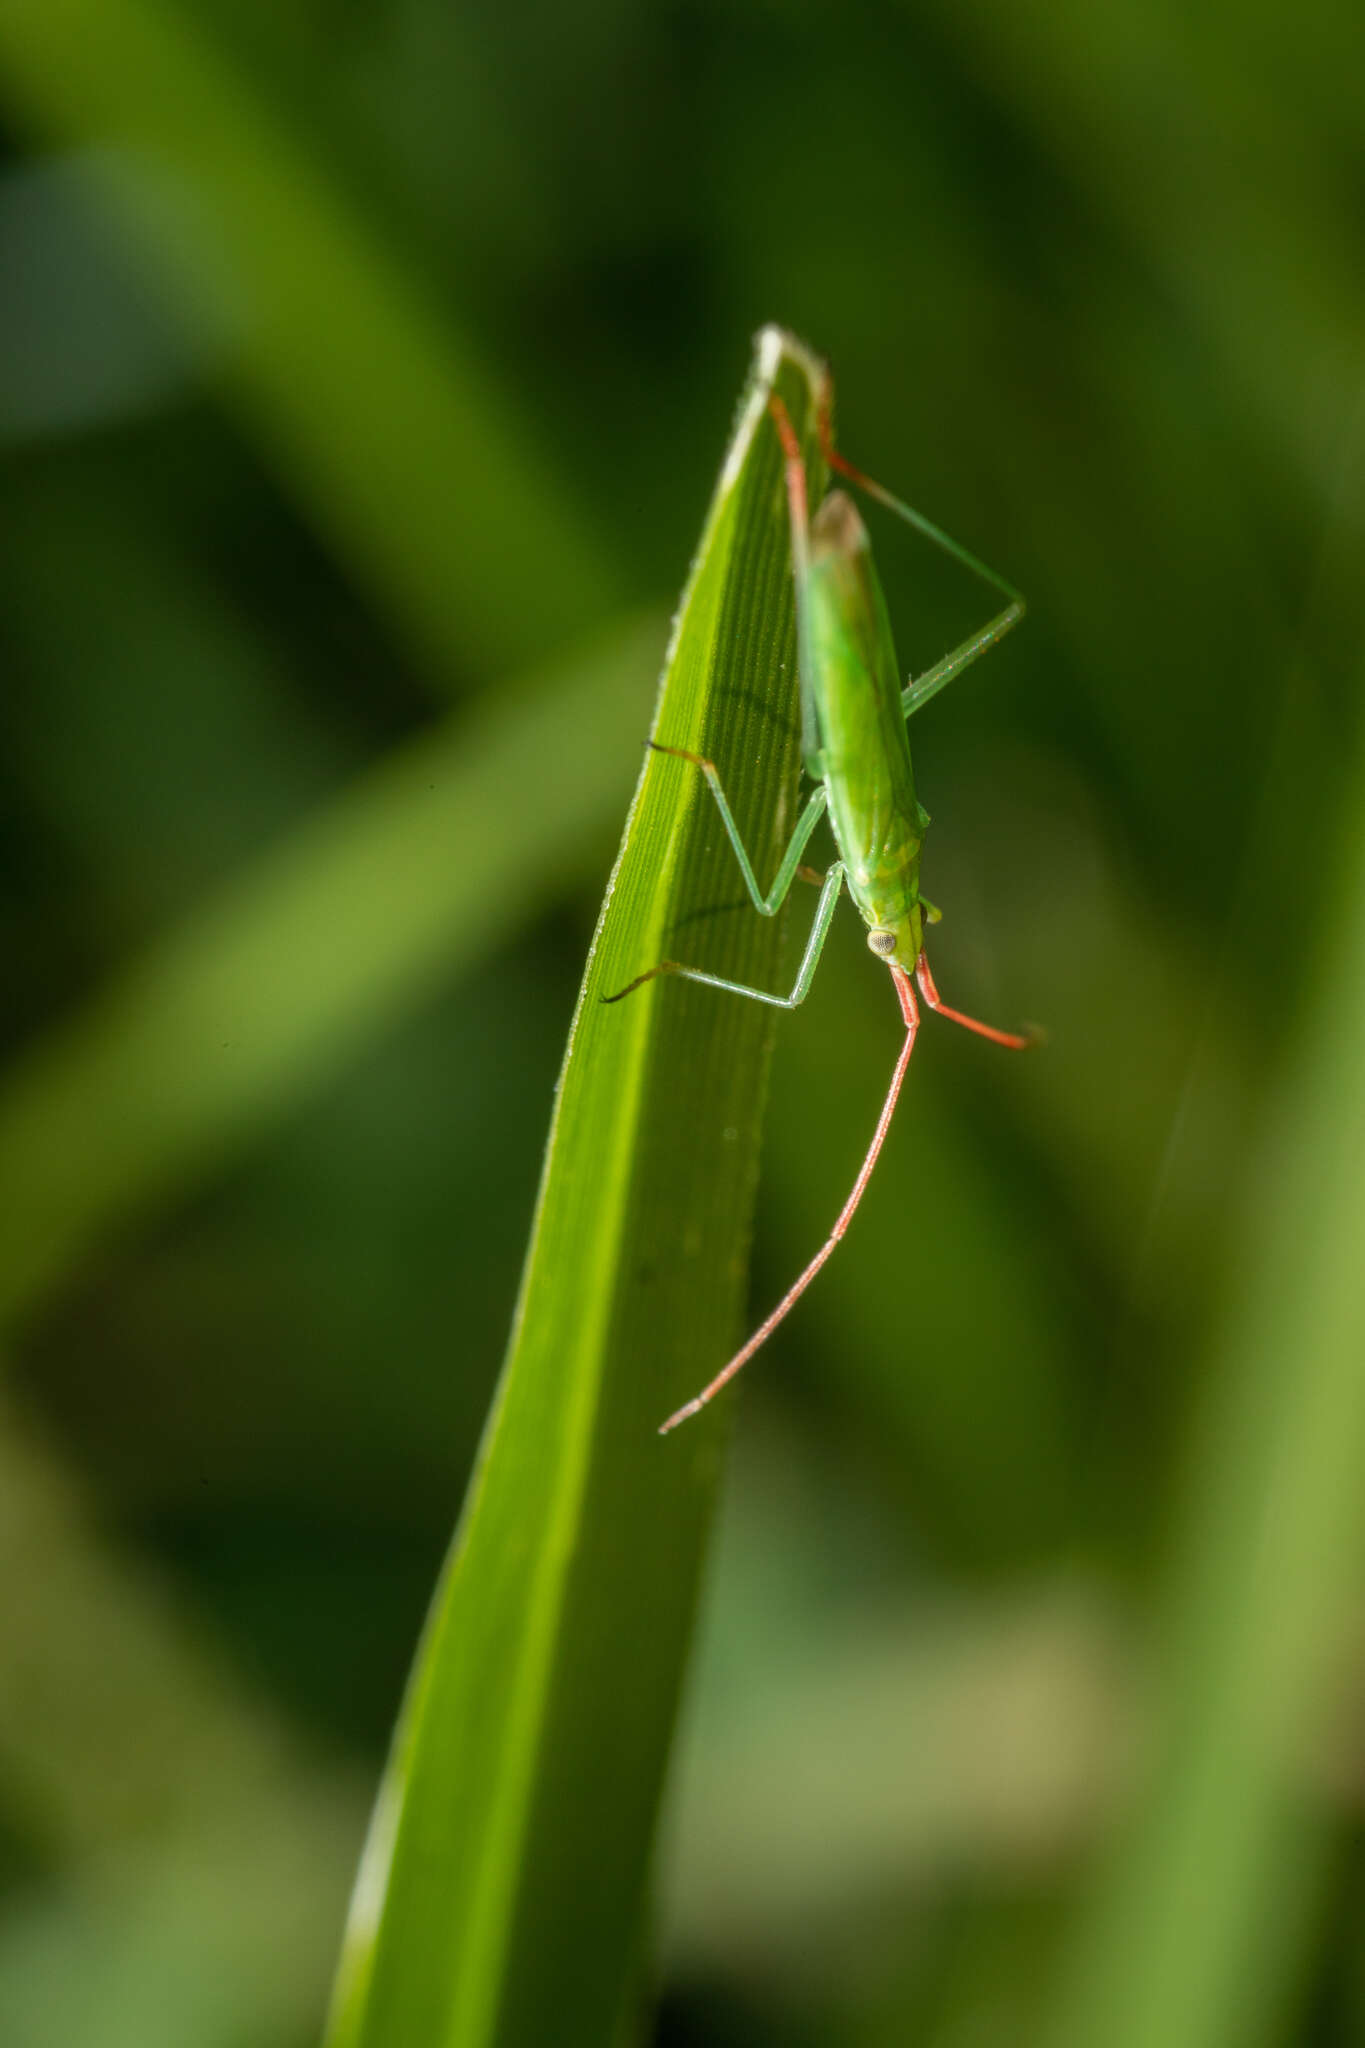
[217,1923]
[1198,1934]
[191,1051]
[319,324]
[502,1894]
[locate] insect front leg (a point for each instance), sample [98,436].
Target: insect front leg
[819,932]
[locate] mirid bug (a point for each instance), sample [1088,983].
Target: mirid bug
[857,753]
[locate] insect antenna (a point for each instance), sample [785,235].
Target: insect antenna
[905,991]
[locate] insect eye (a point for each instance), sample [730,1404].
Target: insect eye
[883,943]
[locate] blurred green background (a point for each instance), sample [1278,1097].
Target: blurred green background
[364,369]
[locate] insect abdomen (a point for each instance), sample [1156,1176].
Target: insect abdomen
[876,817]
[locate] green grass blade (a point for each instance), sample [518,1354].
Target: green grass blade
[1197,1933]
[265,990]
[501,1897]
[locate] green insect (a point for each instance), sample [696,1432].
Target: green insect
[856,751]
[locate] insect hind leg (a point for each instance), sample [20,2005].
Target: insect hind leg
[920,689]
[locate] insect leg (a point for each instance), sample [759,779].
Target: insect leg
[769,905]
[799,511]
[906,512]
[920,689]
[819,932]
